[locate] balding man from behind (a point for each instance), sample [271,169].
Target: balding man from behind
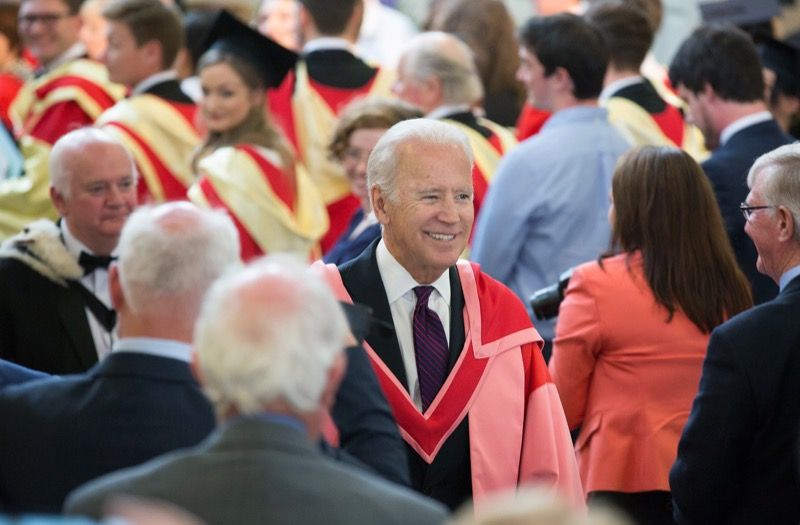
[437,73]
[55,310]
[141,400]
[269,347]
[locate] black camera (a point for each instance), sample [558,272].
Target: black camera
[546,301]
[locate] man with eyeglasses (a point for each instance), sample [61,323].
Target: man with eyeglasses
[737,457]
[718,74]
[68,92]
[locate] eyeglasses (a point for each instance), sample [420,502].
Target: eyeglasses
[49,19]
[748,210]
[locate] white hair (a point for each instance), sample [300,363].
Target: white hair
[269,334]
[446,57]
[384,161]
[69,154]
[174,250]
[781,184]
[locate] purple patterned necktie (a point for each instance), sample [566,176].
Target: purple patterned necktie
[430,347]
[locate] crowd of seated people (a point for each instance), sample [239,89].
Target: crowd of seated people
[275,263]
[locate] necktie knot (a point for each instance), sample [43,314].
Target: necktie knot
[423,293]
[90,262]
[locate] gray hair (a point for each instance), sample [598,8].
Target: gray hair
[174,250]
[446,57]
[68,153]
[269,334]
[781,184]
[384,161]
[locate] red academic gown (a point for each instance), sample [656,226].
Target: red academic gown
[66,98]
[270,213]
[159,130]
[517,430]
[306,108]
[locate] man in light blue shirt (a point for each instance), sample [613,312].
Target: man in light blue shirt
[547,208]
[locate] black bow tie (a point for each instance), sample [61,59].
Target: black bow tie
[90,262]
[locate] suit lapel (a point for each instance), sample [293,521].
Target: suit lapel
[362,279]
[72,313]
[457,335]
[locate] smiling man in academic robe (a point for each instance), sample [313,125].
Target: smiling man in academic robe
[456,354]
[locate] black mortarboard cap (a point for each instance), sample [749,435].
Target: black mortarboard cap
[784,60]
[271,60]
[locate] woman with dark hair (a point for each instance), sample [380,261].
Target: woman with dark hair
[360,126]
[245,166]
[633,328]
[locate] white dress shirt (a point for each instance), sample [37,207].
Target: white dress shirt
[97,283]
[399,286]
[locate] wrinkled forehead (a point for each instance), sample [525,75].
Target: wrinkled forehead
[98,161]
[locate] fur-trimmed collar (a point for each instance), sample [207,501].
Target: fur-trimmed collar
[39,246]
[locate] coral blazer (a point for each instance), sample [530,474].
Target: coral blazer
[625,375]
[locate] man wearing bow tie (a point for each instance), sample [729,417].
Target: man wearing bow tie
[55,309]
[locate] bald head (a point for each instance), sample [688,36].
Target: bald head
[93,186]
[438,69]
[268,336]
[170,254]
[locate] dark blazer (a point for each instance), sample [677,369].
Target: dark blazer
[448,478]
[346,248]
[338,68]
[60,432]
[727,169]
[254,470]
[14,374]
[170,90]
[737,457]
[43,325]
[367,429]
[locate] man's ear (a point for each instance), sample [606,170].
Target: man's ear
[378,200]
[194,365]
[563,80]
[115,287]
[335,376]
[58,201]
[708,93]
[153,53]
[786,225]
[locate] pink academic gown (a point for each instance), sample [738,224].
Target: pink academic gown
[518,434]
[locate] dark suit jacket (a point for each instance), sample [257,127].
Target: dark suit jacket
[367,429]
[43,325]
[338,68]
[14,374]
[345,248]
[737,455]
[448,478]
[254,470]
[727,169]
[170,90]
[60,432]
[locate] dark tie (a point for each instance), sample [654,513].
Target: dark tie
[430,347]
[90,262]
